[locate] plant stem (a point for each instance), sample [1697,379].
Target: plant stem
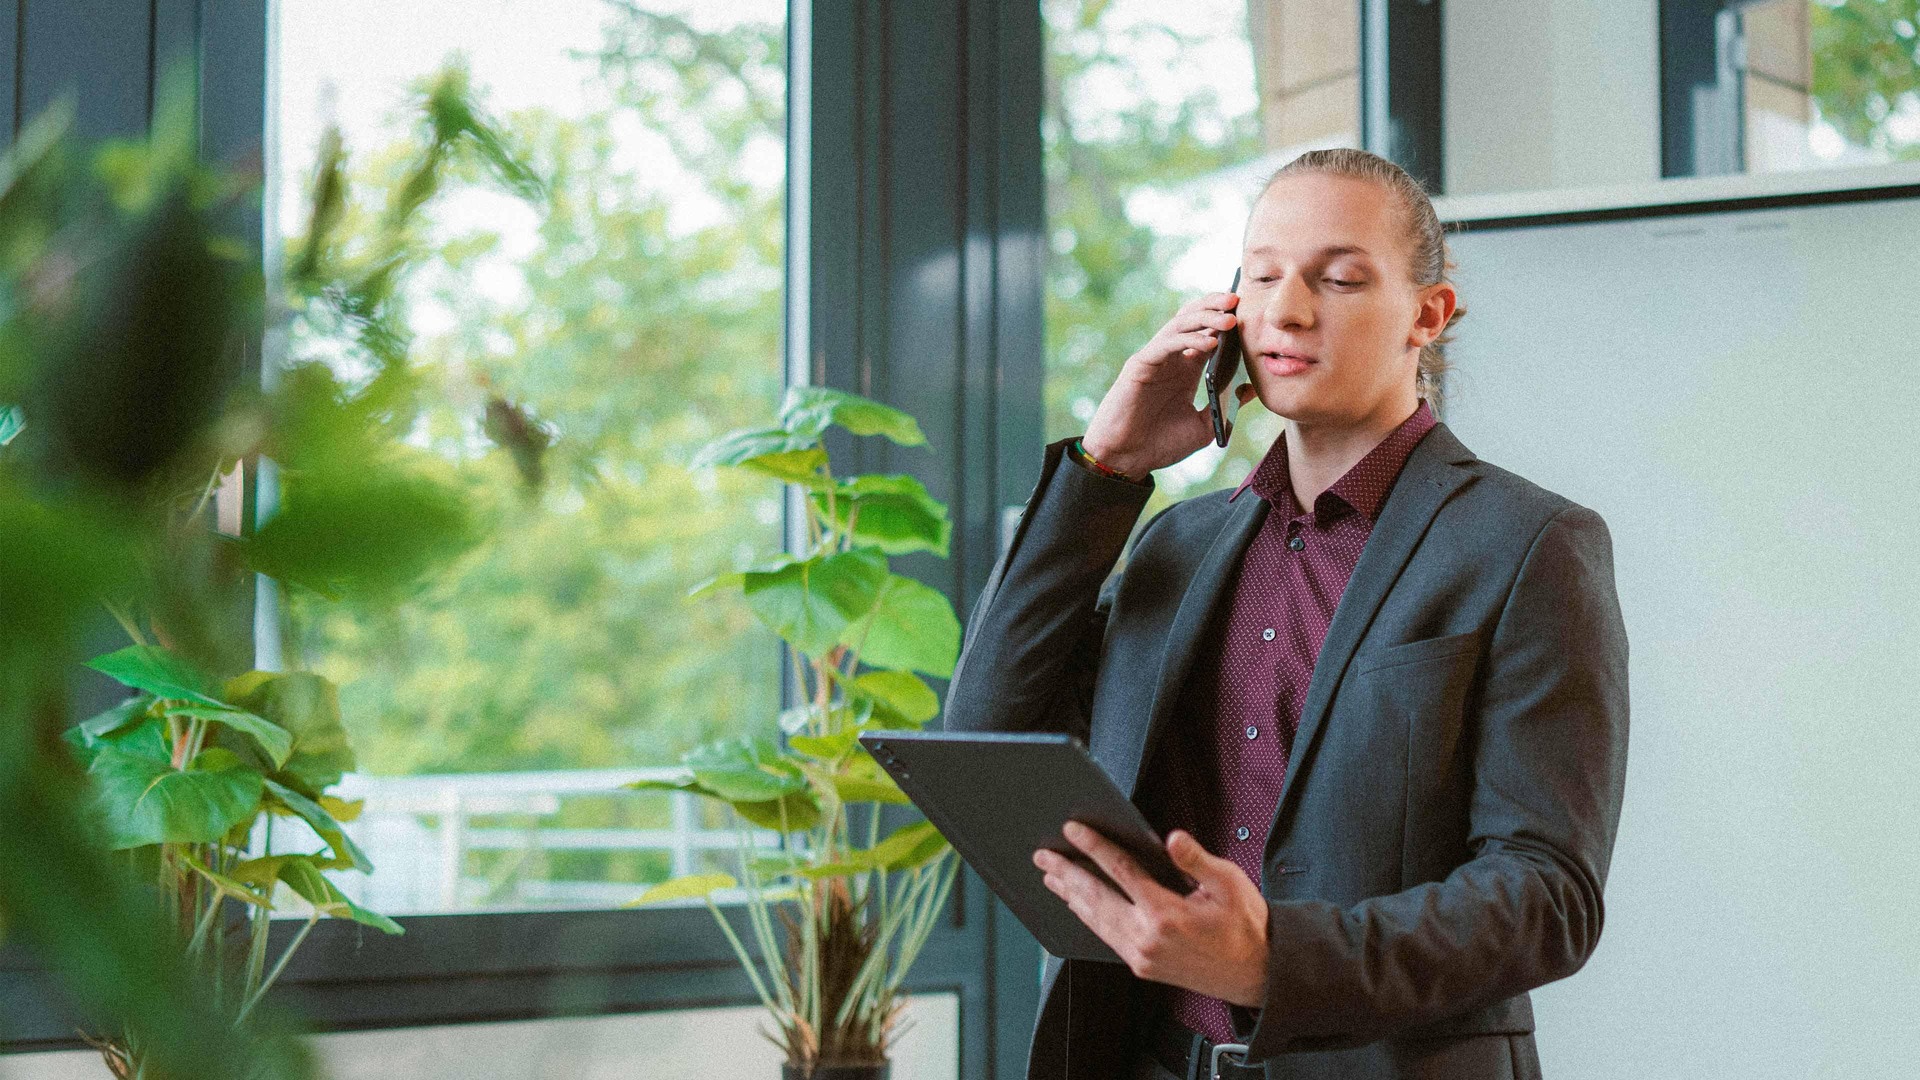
[763,927]
[266,985]
[126,622]
[256,951]
[205,494]
[740,952]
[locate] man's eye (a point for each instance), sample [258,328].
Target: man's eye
[1345,284]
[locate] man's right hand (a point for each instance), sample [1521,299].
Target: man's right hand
[1147,420]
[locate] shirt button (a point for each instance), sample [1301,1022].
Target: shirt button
[1241,833]
[1267,634]
[1252,732]
[1296,544]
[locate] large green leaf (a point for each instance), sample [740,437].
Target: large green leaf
[146,737]
[912,627]
[900,699]
[738,578]
[744,769]
[908,846]
[825,747]
[12,422]
[792,466]
[742,447]
[123,715]
[231,887]
[58,555]
[794,812]
[307,706]
[893,513]
[274,739]
[302,874]
[158,672]
[142,801]
[685,887]
[679,783]
[371,532]
[810,410]
[323,823]
[875,787]
[812,602]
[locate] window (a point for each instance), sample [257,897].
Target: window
[1161,125]
[639,314]
[1555,96]
[1828,83]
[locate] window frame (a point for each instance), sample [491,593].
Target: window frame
[973,378]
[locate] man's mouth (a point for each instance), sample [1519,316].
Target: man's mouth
[1282,362]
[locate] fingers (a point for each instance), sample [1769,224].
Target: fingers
[1202,866]
[1116,864]
[1102,909]
[1246,392]
[1195,343]
[1196,332]
[1219,301]
[1206,319]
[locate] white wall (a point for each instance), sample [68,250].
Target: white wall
[1736,395]
[713,1044]
[1550,93]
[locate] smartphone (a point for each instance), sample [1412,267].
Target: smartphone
[1225,374]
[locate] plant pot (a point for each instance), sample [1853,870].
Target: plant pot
[838,1072]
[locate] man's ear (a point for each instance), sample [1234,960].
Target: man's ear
[1437,304]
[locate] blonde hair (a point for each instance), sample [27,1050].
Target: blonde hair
[1426,237]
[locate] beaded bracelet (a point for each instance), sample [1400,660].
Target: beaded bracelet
[1094,463]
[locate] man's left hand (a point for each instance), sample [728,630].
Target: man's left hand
[1212,941]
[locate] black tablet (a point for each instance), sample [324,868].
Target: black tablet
[997,797]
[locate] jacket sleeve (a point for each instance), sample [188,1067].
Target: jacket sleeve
[1033,639]
[1549,758]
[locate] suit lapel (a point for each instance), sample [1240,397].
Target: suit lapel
[1204,593]
[1429,478]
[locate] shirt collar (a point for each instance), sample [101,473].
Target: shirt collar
[1363,488]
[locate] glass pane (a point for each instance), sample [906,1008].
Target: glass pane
[1567,96]
[1830,82]
[639,314]
[1161,124]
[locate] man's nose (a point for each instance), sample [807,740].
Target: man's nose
[1289,304]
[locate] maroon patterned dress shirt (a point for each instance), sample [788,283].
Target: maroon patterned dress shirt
[1219,768]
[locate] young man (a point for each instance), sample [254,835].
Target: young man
[1376,699]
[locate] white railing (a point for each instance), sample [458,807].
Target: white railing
[420,831]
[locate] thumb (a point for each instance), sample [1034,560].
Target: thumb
[1189,855]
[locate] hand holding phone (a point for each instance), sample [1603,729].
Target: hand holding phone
[1149,418]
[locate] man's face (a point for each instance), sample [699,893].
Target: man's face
[1327,307]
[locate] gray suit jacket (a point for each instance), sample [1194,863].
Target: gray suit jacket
[1448,814]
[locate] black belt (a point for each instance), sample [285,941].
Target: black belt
[1189,1055]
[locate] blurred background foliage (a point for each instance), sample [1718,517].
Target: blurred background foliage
[567,641]
[1866,71]
[130,314]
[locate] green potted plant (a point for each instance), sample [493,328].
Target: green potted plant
[125,311]
[200,785]
[839,910]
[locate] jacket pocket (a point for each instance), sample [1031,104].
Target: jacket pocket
[1374,658]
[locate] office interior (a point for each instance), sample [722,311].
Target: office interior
[1688,235]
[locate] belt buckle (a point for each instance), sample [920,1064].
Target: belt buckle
[1213,1066]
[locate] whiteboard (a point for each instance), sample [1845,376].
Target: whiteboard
[1736,393]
